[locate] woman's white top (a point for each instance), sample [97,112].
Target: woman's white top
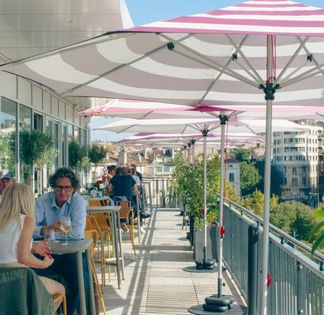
[9,238]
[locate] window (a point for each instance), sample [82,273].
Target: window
[8,115]
[231,177]
[294,182]
[38,122]
[25,115]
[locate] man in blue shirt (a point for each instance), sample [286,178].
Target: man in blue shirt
[49,209]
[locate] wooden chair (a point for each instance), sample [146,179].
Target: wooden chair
[89,234]
[93,228]
[61,297]
[103,223]
[100,222]
[126,212]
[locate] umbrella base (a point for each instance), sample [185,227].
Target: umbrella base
[194,269]
[199,310]
[208,264]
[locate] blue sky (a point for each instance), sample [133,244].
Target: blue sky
[146,11]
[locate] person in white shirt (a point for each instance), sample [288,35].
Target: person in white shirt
[17,225]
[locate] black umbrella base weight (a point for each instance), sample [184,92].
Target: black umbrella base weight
[194,269]
[199,310]
[208,264]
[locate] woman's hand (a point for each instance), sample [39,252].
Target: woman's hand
[47,261]
[41,249]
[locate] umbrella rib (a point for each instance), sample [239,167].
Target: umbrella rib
[307,74]
[126,128]
[209,63]
[256,75]
[294,56]
[64,93]
[309,53]
[64,49]
[219,75]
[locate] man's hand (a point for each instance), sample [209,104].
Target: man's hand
[56,227]
[42,249]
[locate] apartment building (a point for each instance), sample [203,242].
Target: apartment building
[296,155]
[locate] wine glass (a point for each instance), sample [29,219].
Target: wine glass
[66,227]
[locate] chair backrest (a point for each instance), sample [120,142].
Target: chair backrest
[102,220]
[107,201]
[94,203]
[23,293]
[124,208]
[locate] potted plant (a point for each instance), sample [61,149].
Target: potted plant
[78,157]
[187,181]
[36,151]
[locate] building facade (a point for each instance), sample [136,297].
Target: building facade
[296,156]
[232,173]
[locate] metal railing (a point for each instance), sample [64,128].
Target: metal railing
[157,192]
[297,276]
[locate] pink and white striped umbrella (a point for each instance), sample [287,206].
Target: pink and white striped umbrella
[150,110]
[201,59]
[257,52]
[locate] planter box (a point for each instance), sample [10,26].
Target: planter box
[212,236]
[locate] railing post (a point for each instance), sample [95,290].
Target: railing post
[300,289]
[252,269]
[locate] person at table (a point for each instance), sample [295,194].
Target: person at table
[16,229]
[123,186]
[50,208]
[5,181]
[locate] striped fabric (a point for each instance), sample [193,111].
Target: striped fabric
[218,58]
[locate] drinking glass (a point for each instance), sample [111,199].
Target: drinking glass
[66,228]
[50,236]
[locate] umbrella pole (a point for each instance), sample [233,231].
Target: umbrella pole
[193,141]
[223,120]
[269,91]
[205,132]
[217,303]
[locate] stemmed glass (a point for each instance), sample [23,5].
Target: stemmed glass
[66,228]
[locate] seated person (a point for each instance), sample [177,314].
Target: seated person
[50,208]
[16,228]
[5,181]
[122,186]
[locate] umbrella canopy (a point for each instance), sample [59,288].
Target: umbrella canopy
[153,110]
[189,139]
[149,110]
[193,126]
[199,59]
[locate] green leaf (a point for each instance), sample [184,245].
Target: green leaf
[319,243]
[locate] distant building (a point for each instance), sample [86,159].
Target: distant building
[296,155]
[232,171]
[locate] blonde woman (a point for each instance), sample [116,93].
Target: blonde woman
[17,225]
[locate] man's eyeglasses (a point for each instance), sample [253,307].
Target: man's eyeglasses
[66,188]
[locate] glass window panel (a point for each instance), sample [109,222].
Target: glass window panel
[25,118]
[38,122]
[70,133]
[64,148]
[8,117]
